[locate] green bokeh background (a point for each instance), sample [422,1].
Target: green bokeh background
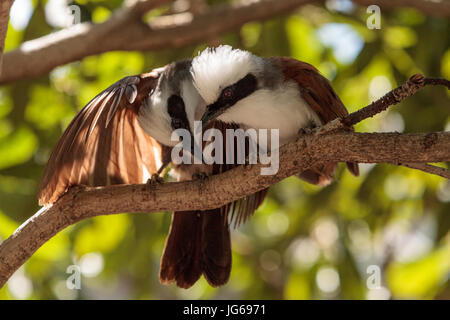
[304,242]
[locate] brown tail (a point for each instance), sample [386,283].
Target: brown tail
[198,243]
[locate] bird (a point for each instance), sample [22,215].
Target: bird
[123,136]
[268,93]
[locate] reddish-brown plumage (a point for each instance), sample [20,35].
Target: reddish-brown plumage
[316,90]
[199,241]
[104,144]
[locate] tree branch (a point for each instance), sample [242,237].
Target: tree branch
[329,143]
[428,168]
[37,57]
[414,84]
[82,203]
[125,31]
[393,97]
[5,7]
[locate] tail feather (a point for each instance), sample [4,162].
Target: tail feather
[198,243]
[216,249]
[353,167]
[179,263]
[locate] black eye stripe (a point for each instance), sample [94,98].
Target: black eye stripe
[240,89]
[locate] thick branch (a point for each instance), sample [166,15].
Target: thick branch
[79,203]
[5,7]
[39,56]
[125,31]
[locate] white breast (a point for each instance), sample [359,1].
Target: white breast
[283,109]
[155,120]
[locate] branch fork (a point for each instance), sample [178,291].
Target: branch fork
[417,149]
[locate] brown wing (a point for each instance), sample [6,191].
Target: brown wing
[104,144]
[317,92]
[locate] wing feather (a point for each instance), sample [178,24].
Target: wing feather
[316,90]
[104,144]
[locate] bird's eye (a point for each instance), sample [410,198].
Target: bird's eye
[227,93]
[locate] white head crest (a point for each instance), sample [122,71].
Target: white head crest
[216,68]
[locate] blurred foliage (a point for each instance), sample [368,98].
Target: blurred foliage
[304,242]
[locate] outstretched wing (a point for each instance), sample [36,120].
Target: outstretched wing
[104,144]
[317,92]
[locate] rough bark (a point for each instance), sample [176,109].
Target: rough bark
[81,203]
[5,7]
[125,31]
[40,56]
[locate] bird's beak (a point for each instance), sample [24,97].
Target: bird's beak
[211,113]
[208,116]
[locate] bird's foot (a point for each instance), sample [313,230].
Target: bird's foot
[305,131]
[200,176]
[154,180]
[247,162]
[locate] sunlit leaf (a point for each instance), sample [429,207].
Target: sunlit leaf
[103,234]
[18,147]
[100,14]
[7,225]
[303,41]
[47,108]
[298,287]
[54,249]
[400,37]
[420,279]
[445,66]
[250,33]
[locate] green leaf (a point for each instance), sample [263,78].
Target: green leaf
[103,234]
[17,147]
[47,108]
[297,287]
[7,225]
[420,279]
[400,37]
[303,40]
